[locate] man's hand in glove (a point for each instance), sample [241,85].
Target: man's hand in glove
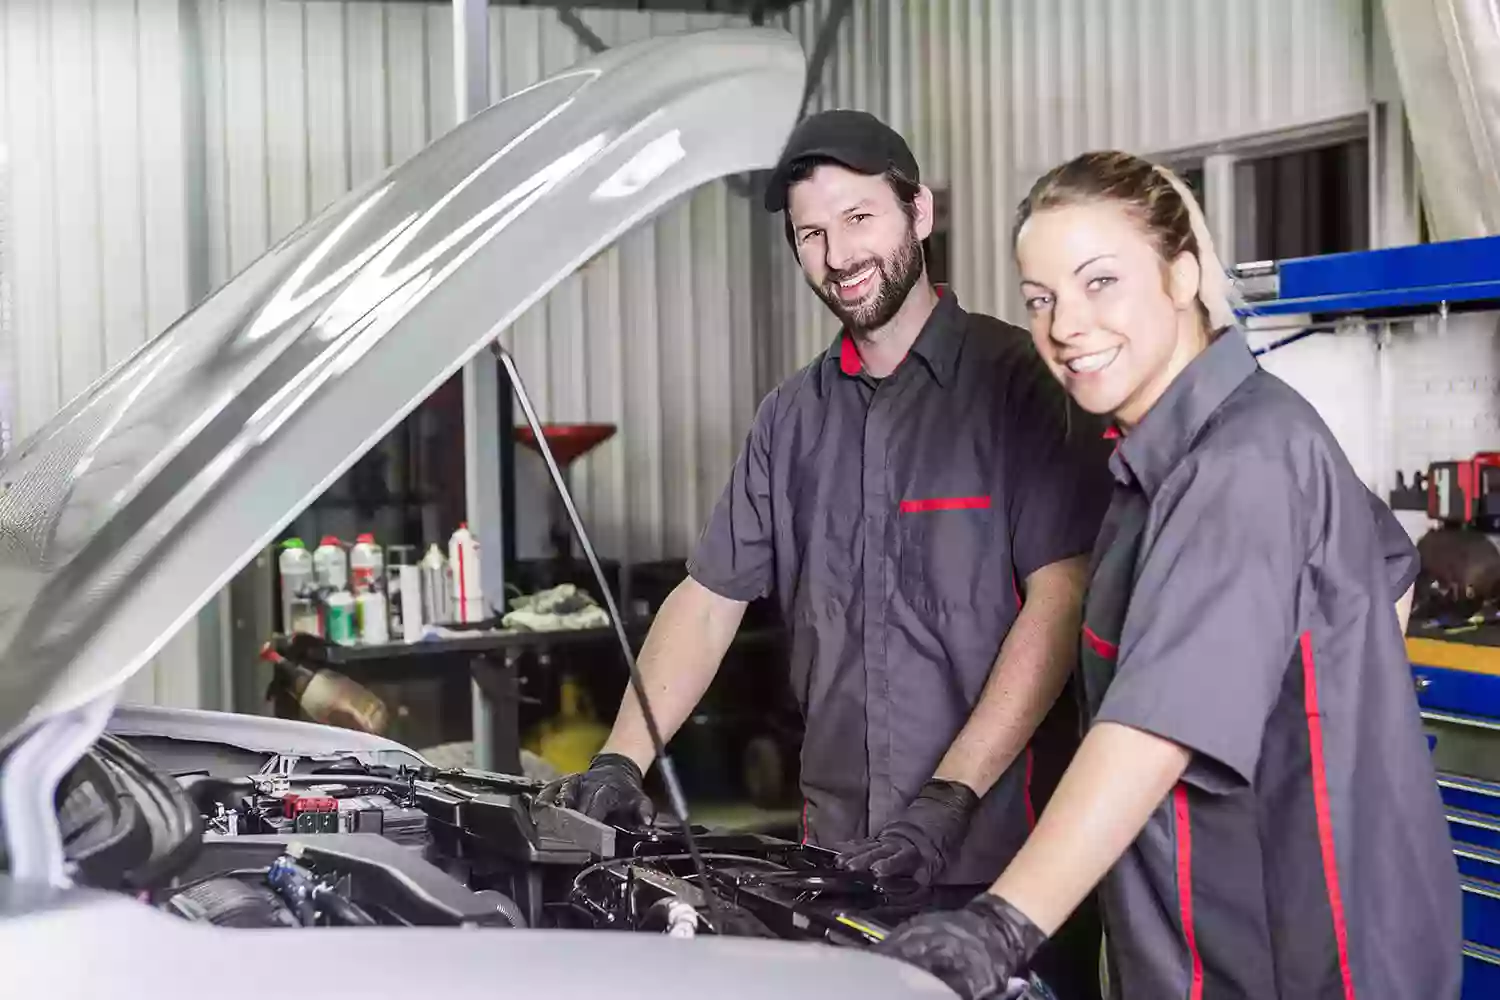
[922,841]
[610,791]
[979,951]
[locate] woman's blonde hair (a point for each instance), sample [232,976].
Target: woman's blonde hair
[1158,199]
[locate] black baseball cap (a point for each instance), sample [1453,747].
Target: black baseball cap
[855,139]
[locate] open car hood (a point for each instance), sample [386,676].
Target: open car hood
[148,492]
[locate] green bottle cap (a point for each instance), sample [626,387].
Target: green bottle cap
[293,543]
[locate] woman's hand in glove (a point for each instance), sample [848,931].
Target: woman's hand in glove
[978,951]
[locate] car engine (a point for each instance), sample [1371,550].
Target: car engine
[325,842]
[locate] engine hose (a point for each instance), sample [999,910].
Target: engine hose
[505,905]
[344,909]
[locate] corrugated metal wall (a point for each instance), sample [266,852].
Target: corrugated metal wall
[90,115]
[89,99]
[991,94]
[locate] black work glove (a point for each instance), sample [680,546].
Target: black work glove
[920,842]
[978,951]
[610,791]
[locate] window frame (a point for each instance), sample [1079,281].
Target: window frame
[1217,161]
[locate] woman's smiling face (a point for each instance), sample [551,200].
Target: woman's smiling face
[1114,322]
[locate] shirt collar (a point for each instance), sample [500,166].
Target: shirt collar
[937,344]
[1164,436]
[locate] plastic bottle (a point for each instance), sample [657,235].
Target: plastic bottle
[340,624]
[330,566]
[437,605]
[463,567]
[366,566]
[371,619]
[298,588]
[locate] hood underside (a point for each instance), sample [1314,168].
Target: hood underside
[145,495]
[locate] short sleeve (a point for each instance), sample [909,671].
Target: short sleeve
[1057,478]
[1402,563]
[1212,620]
[735,555]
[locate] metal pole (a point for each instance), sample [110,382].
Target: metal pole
[471,77]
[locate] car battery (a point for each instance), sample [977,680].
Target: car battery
[362,815]
[381,815]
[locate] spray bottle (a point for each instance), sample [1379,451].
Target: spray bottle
[366,566]
[330,566]
[463,566]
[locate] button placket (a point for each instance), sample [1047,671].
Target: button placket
[875,569]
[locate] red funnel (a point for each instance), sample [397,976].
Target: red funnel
[569,442]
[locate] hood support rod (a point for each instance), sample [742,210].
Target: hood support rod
[668,772]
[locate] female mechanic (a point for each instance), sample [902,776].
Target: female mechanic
[1254,798]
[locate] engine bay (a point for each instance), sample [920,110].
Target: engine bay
[309,841]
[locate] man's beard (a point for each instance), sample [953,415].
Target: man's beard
[898,276]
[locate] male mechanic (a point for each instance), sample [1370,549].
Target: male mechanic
[922,503]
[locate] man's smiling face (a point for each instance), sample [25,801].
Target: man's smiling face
[859,246]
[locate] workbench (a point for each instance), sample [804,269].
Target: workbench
[515,674]
[491,659]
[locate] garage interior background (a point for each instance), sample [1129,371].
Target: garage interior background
[149,149]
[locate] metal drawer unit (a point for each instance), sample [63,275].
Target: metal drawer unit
[1458,690]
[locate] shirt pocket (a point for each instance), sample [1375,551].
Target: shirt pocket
[950,554]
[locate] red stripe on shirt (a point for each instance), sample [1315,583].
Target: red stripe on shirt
[1108,650]
[1185,885]
[1325,817]
[945,503]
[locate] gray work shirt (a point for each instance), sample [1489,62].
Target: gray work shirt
[893,521]
[1240,604]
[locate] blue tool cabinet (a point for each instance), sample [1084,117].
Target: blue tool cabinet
[1460,700]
